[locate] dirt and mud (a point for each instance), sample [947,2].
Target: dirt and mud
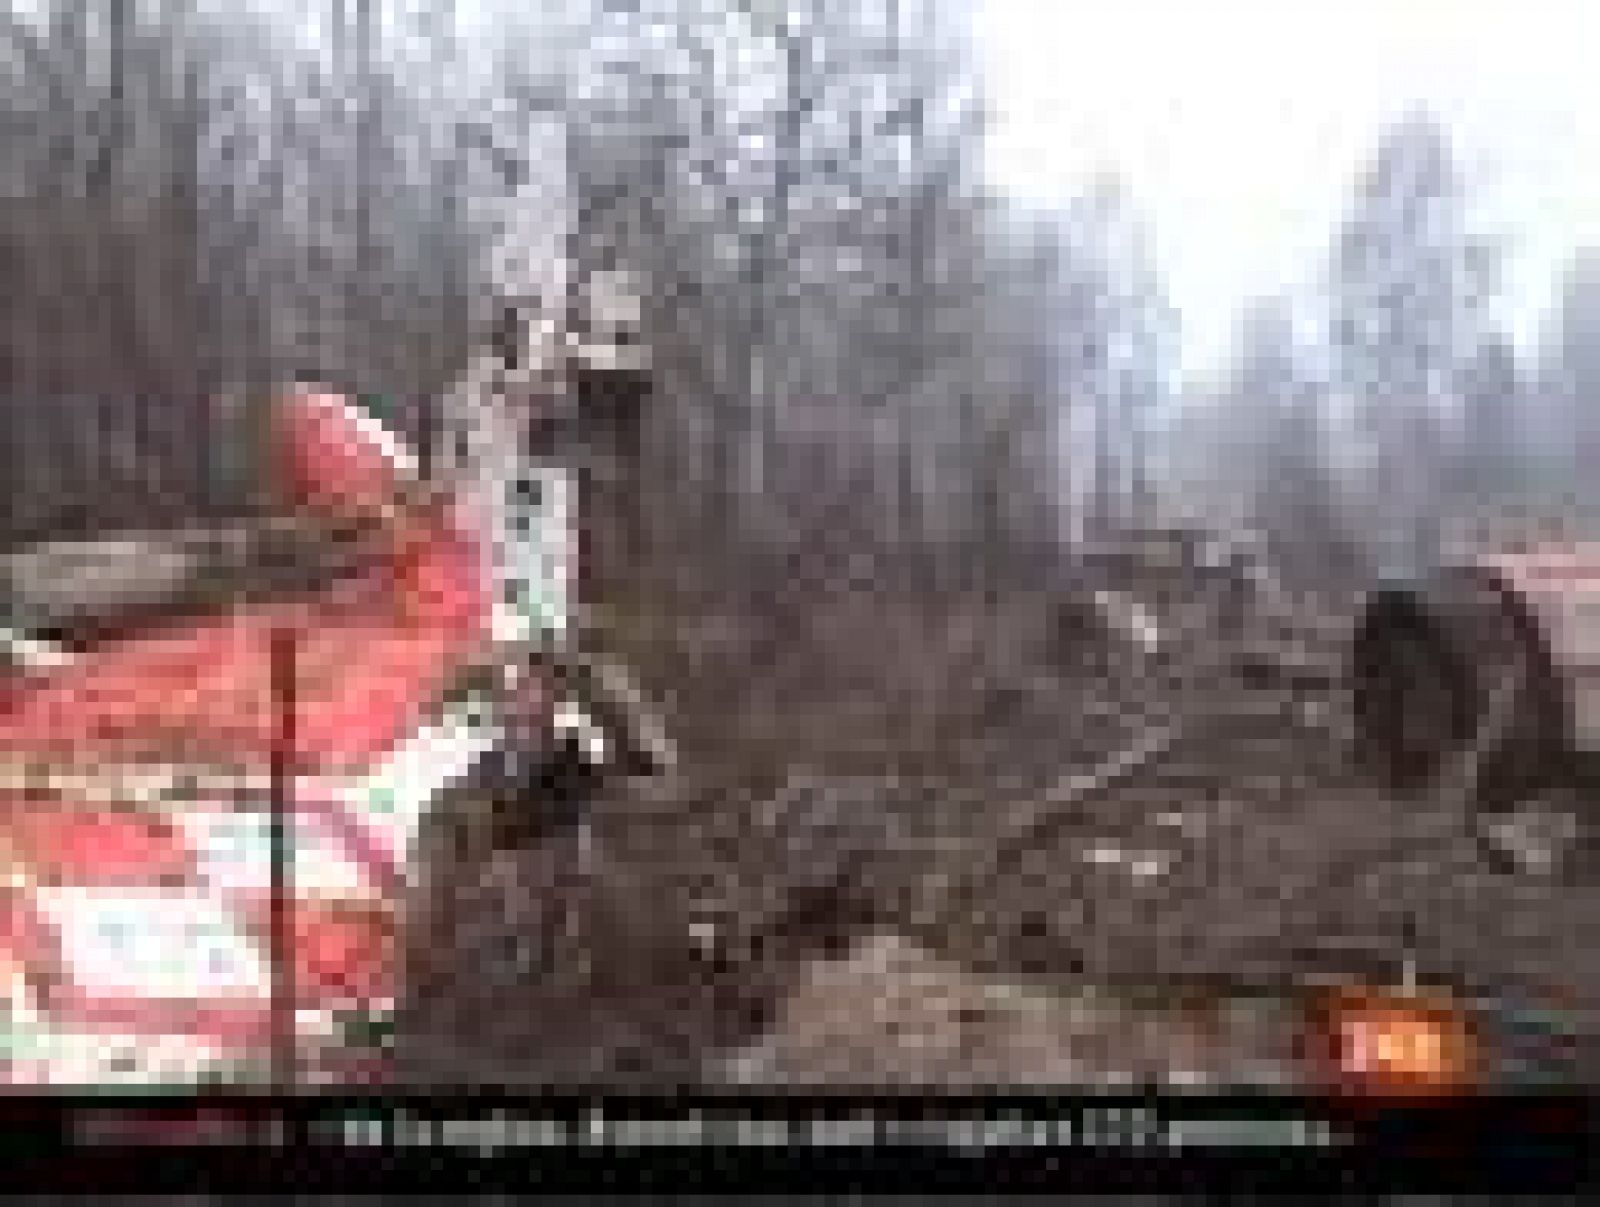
[887,859]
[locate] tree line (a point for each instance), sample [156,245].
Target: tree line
[863,359]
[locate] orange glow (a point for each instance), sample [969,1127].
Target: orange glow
[1397,1045]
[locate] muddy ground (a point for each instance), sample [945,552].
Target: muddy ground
[817,896]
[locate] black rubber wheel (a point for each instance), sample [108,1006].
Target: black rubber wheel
[1428,667]
[1413,695]
[1504,647]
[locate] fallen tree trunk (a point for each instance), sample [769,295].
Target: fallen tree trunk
[81,587]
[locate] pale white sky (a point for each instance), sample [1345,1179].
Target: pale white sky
[1240,126]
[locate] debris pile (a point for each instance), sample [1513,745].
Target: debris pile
[965,793]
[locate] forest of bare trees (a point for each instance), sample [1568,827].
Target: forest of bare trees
[1371,414]
[854,343]
[192,203]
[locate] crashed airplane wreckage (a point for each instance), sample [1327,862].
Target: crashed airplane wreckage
[242,743]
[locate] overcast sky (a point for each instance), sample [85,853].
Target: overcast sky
[1241,125]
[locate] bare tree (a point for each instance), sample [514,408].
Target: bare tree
[1277,406]
[174,224]
[815,258]
[1491,464]
[1572,370]
[1408,283]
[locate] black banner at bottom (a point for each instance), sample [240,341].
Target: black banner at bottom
[97,1142]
